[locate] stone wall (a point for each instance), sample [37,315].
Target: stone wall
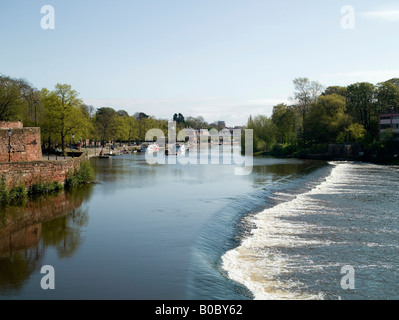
[11,125]
[25,143]
[29,173]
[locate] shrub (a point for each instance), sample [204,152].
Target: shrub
[17,194]
[3,190]
[84,175]
[44,188]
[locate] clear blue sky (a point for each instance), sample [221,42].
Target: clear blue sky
[223,59]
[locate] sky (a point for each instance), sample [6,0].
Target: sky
[221,59]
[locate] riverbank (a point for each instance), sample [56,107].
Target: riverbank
[20,181]
[95,152]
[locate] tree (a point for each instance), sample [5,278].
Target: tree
[19,100]
[123,113]
[179,118]
[88,111]
[33,112]
[141,117]
[387,94]
[354,133]
[394,81]
[361,104]
[133,134]
[264,132]
[63,113]
[197,123]
[127,128]
[335,89]
[388,137]
[305,93]
[327,118]
[88,132]
[11,101]
[285,119]
[106,123]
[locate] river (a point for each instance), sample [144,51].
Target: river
[201,232]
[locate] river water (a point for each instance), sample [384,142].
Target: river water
[201,232]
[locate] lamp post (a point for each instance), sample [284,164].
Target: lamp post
[35,114]
[9,144]
[73,144]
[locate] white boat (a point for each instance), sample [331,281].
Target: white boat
[153,148]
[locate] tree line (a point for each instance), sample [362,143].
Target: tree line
[64,118]
[318,116]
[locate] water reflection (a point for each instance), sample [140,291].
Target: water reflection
[268,170]
[26,232]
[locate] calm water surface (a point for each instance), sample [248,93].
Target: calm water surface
[201,232]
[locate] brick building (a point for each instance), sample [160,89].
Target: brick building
[390,120]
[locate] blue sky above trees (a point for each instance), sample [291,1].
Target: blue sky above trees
[223,59]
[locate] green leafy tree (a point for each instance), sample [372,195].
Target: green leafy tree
[264,132]
[19,100]
[63,114]
[360,101]
[141,118]
[387,94]
[126,128]
[394,81]
[354,133]
[327,118]
[11,100]
[335,89]
[106,123]
[286,121]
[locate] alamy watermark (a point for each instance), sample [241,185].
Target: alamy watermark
[48,20]
[348,19]
[48,280]
[194,147]
[348,280]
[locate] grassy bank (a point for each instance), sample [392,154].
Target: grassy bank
[19,194]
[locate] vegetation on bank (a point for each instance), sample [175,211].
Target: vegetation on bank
[19,194]
[84,175]
[318,117]
[64,119]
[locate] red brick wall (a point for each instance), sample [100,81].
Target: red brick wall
[25,144]
[28,173]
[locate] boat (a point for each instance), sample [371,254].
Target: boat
[153,148]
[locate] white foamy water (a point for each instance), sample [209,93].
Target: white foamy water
[259,262]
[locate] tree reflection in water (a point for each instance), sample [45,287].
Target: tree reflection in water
[26,232]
